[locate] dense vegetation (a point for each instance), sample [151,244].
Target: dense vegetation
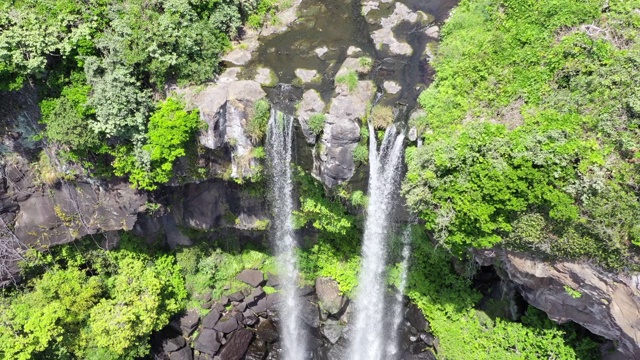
[101,66]
[531,130]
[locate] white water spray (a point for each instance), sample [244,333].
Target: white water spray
[370,336]
[393,347]
[279,148]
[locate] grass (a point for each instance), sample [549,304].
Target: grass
[349,79]
[382,117]
[257,124]
[361,154]
[365,63]
[316,123]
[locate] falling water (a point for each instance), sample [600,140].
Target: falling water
[392,349]
[279,147]
[370,338]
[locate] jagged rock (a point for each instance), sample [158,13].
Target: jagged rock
[332,330]
[310,314]
[250,318]
[267,331]
[608,304]
[329,295]
[428,339]
[172,344]
[273,302]
[237,345]
[183,354]
[338,351]
[236,296]
[310,105]
[254,278]
[258,306]
[257,350]
[241,307]
[306,290]
[211,319]
[224,301]
[186,323]
[273,281]
[227,325]
[334,162]
[256,294]
[416,318]
[427,355]
[207,342]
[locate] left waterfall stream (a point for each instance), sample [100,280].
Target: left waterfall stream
[279,149]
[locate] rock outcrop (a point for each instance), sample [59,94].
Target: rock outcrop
[605,304]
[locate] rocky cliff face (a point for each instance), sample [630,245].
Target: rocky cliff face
[606,304]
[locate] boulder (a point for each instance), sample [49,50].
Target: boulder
[207,342]
[183,354]
[391,87]
[211,319]
[227,325]
[250,318]
[256,294]
[236,296]
[257,350]
[274,280]
[416,318]
[237,345]
[307,75]
[266,77]
[172,344]
[267,331]
[310,314]
[254,278]
[186,323]
[332,330]
[311,104]
[330,299]
[258,306]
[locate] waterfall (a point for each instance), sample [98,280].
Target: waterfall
[370,335]
[392,349]
[279,148]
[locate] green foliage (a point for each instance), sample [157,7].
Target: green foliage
[171,127]
[532,133]
[361,154]
[316,123]
[572,292]
[349,79]
[358,198]
[91,302]
[448,301]
[257,124]
[365,63]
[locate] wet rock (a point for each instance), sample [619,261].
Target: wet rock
[306,290]
[207,342]
[426,355]
[285,19]
[391,87]
[256,294]
[329,295]
[310,314]
[353,64]
[274,280]
[433,32]
[307,75]
[385,35]
[266,77]
[224,301]
[237,345]
[428,339]
[310,105]
[257,350]
[259,306]
[267,331]
[186,323]
[416,318]
[313,339]
[413,134]
[332,330]
[321,51]
[354,51]
[250,318]
[254,278]
[211,319]
[226,325]
[241,307]
[338,351]
[273,302]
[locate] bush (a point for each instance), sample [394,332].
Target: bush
[350,79]
[382,116]
[361,154]
[257,124]
[316,123]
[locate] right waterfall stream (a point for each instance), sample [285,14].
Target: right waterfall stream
[370,339]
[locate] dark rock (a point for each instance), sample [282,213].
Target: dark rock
[250,318]
[239,317]
[259,306]
[426,355]
[428,339]
[237,296]
[313,339]
[241,307]
[203,356]
[219,308]
[306,290]
[237,345]
[338,351]
[211,319]
[207,342]
[207,305]
[416,318]
[224,301]
[332,330]
[256,294]
[172,344]
[329,295]
[310,314]
[186,323]
[183,354]
[267,331]
[227,325]
[254,278]
[257,350]
[273,281]
[222,339]
[273,302]
[417,348]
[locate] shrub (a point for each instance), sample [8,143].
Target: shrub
[382,116]
[361,154]
[257,124]
[350,79]
[316,123]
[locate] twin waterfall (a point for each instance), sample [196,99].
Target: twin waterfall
[372,334]
[279,147]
